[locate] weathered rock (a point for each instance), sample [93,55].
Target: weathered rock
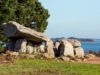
[30,56]
[56,45]
[56,50]
[78,60]
[34,49]
[42,48]
[20,45]
[84,60]
[14,29]
[29,48]
[3,54]
[75,42]
[14,54]
[72,60]
[79,52]
[49,49]
[65,58]
[90,56]
[66,48]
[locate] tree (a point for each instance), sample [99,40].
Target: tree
[24,12]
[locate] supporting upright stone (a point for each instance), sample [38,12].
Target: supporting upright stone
[75,42]
[49,49]
[57,45]
[79,52]
[29,48]
[66,49]
[20,45]
[56,50]
[42,48]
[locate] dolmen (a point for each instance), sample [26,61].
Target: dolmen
[21,39]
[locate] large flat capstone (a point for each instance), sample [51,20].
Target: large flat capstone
[14,29]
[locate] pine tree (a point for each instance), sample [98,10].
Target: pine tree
[26,12]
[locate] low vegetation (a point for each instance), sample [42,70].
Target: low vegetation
[48,67]
[1,49]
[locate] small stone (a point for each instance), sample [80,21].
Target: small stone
[65,58]
[90,56]
[84,60]
[30,56]
[78,60]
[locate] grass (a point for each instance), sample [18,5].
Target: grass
[48,67]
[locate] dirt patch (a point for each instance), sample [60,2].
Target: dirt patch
[95,60]
[8,59]
[5,59]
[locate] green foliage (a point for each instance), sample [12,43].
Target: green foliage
[1,49]
[24,12]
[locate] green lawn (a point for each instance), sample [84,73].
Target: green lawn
[48,67]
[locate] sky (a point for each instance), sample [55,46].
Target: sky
[73,18]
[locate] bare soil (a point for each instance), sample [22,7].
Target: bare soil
[96,60]
[5,59]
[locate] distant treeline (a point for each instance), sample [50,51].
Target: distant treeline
[80,39]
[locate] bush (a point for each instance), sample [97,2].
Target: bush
[1,49]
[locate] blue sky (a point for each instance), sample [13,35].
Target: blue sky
[78,18]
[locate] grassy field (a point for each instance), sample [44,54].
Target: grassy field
[48,67]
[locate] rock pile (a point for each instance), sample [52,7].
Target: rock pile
[78,50]
[27,40]
[66,49]
[69,50]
